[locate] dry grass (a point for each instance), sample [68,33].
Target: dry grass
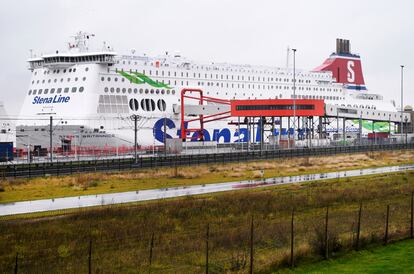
[94,183]
[121,234]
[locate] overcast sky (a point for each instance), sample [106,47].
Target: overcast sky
[237,31]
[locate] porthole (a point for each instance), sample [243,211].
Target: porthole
[70,70]
[168,91]
[146,91]
[81,89]
[130,90]
[61,79]
[34,92]
[74,89]
[32,82]
[152,91]
[68,79]
[123,90]
[59,90]
[30,92]
[143,106]
[106,89]
[173,92]
[118,90]
[116,79]
[52,91]
[55,80]
[43,81]
[112,90]
[66,90]
[86,69]
[157,91]
[162,106]
[109,79]
[133,104]
[84,78]
[74,70]
[76,79]
[135,90]
[40,91]
[102,79]
[162,91]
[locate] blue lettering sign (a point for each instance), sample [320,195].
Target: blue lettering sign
[37,100]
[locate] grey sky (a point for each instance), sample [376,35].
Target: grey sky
[236,31]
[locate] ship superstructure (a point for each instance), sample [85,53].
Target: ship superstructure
[93,95]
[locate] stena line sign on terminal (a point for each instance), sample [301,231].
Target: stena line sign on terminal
[37,100]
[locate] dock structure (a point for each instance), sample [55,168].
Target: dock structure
[306,119]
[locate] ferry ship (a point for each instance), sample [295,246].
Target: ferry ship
[93,95]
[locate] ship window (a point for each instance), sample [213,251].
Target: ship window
[68,79]
[73,89]
[123,90]
[173,92]
[162,91]
[146,91]
[81,89]
[157,91]
[106,89]
[118,90]
[59,90]
[70,70]
[66,90]
[102,79]
[76,79]
[143,106]
[133,104]
[109,79]
[52,91]
[34,92]
[84,78]
[40,91]
[152,104]
[130,90]
[152,91]
[74,70]
[86,69]
[161,105]
[116,79]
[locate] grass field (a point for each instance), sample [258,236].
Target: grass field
[394,258]
[121,235]
[12,190]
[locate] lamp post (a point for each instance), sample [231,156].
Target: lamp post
[294,93]
[402,101]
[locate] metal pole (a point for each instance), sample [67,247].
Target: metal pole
[294,93]
[402,101]
[165,137]
[50,138]
[292,239]
[207,239]
[135,138]
[251,246]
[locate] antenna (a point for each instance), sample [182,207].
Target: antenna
[81,41]
[287,58]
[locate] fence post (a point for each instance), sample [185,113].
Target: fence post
[150,254]
[251,246]
[16,263]
[386,225]
[207,239]
[358,226]
[412,215]
[326,233]
[292,239]
[90,257]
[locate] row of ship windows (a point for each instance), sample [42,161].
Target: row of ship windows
[141,91]
[53,90]
[187,66]
[55,80]
[227,85]
[57,71]
[242,78]
[147,105]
